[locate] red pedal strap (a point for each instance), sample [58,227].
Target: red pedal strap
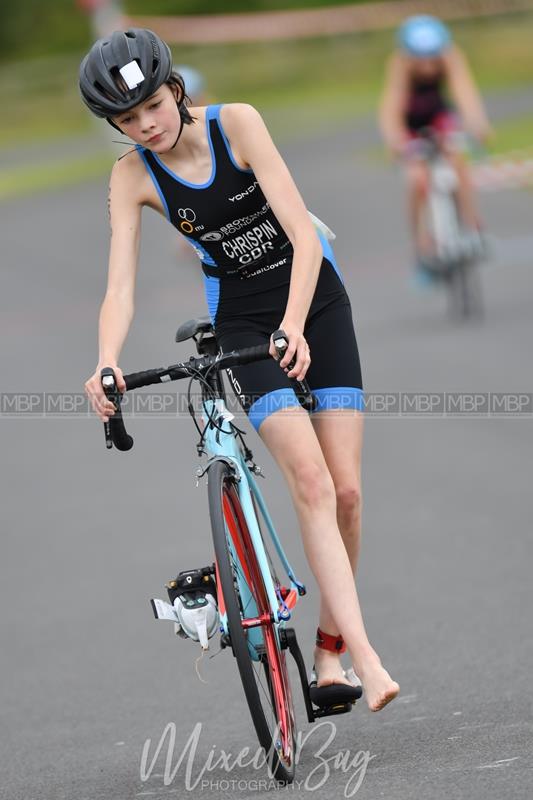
[328,642]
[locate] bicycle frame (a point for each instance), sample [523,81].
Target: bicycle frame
[443,209]
[456,253]
[219,441]
[221,444]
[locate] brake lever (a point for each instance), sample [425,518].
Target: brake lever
[114,430]
[303,392]
[109,385]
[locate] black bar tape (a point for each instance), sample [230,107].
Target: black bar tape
[115,427]
[119,435]
[147,378]
[248,354]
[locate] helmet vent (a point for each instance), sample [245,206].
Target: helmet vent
[99,88]
[120,82]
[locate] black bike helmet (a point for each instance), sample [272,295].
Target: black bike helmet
[122,70]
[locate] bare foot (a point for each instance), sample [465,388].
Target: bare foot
[329,668]
[378,686]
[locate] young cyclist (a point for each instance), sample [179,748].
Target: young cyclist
[427,82]
[215,173]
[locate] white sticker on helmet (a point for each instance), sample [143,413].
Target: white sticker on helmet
[132,74]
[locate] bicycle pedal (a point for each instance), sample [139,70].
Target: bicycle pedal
[334,694]
[329,711]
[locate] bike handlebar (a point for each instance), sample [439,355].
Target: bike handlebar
[115,431]
[428,142]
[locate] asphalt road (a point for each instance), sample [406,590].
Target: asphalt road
[89,536]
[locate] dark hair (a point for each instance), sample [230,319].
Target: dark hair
[184,100]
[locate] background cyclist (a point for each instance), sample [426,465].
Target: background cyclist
[428,83]
[195,82]
[215,173]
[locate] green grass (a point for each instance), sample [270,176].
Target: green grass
[513,135]
[351,66]
[36,28]
[40,100]
[301,86]
[499,50]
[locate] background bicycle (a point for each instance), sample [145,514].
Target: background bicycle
[457,251]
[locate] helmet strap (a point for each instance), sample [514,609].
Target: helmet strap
[180,130]
[110,122]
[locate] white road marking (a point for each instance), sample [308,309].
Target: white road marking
[408,698]
[498,764]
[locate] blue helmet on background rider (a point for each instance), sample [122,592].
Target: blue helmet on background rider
[424,37]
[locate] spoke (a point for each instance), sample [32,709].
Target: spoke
[237,570]
[265,690]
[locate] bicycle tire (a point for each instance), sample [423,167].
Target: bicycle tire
[469,290]
[271,707]
[464,285]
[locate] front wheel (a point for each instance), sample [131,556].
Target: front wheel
[242,595]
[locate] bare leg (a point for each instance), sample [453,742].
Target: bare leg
[418,184]
[290,437]
[344,464]
[465,194]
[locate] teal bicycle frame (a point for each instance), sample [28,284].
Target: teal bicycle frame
[222,442]
[221,445]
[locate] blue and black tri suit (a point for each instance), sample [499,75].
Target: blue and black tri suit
[246,259]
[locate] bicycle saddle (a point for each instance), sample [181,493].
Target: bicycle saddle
[190,328]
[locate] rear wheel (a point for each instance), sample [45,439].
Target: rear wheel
[466,301]
[242,596]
